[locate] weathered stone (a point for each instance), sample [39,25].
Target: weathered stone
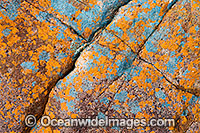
[37,49]
[79,59]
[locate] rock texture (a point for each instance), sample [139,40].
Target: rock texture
[116,58]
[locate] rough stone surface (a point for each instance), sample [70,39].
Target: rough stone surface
[117,58]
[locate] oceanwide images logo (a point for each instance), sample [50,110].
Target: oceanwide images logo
[46,121]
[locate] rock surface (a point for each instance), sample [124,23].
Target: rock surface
[79,59]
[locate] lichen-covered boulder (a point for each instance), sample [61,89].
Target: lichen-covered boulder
[119,58]
[38,47]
